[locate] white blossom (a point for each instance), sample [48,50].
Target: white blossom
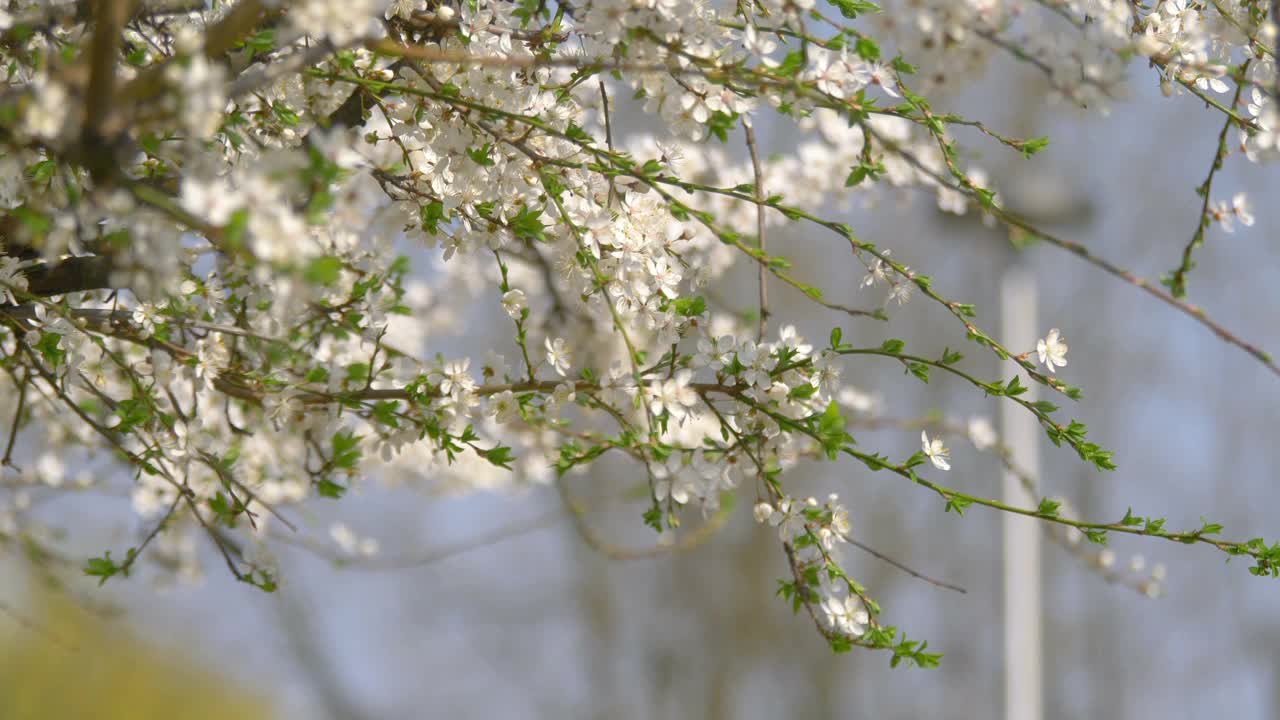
[11,278]
[558,355]
[1052,350]
[673,395]
[504,407]
[513,301]
[845,615]
[674,480]
[937,453]
[981,434]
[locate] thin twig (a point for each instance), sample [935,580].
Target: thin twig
[1075,248]
[1178,279]
[1089,554]
[763,273]
[7,461]
[218,541]
[608,137]
[885,558]
[133,557]
[211,461]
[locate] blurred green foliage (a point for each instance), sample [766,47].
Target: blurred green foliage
[69,663]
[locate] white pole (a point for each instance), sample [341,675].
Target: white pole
[1023,694]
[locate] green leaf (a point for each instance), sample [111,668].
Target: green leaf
[430,216]
[41,172]
[1208,528]
[480,155]
[803,391]
[1015,387]
[720,123]
[1048,508]
[867,49]
[791,64]
[285,114]
[322,270]
[690,306]
[357,372]
[234,231]
[385,411]
[1034,145]
[852,8]
[330,489]
[831,431]
[863,171]
[920,370]
[260,42]
[527,225]
[48,347]
[653,518]
[225,510]
[260,579]
[841,644]
[104,567]
[903,67]
[500,456]
[346,450]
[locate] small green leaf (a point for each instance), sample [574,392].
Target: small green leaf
[346,450]
[500,456]
[852,8]
[330,489]
[104,567]
[690,306]
[322,270]
[1034,145]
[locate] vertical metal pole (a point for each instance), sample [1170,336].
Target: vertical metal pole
[1023,651]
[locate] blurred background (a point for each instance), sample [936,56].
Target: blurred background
[499,608]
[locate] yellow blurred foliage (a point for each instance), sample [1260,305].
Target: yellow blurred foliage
[70,664]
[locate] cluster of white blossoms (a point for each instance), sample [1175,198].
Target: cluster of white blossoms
[1227,214]
[239,269]
[12,279]
[814,535]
